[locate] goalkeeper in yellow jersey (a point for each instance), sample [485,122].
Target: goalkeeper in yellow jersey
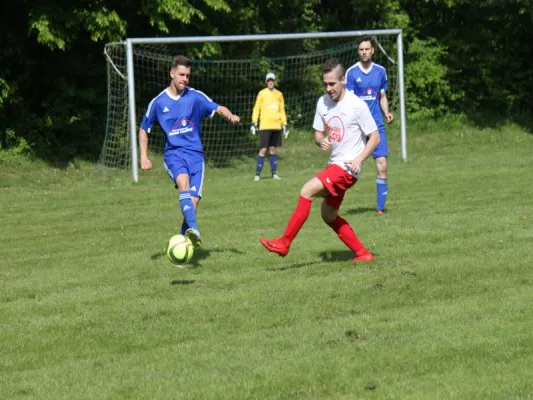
[269,111]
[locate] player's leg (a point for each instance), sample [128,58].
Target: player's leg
[196,181]
[178,171]
[380,155]
[311,190]
[330,215]
[275,141]
[179,167]
[337,182]
[264,138]
[186,203]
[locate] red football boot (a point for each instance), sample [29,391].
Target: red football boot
[365,256]
[278,246]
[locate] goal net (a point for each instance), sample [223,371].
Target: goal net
[232,77]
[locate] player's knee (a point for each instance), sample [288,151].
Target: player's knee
[262,152]
[381,165]
[311,190]
[307,191]
[328,217]
[272,150]
[328,213]
[304,192]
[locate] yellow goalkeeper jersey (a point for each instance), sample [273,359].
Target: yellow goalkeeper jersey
[269,110]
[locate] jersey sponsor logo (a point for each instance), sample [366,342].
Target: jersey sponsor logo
[165,110]
[358,79]
[183,126]
[335,129]
[368,94]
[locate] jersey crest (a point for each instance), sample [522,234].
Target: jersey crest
[335,129]
[183,126]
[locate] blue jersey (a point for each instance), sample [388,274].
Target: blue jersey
[180,118]
[368,86]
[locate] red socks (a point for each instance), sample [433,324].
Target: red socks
[298,218]
[339,225]
[347,235]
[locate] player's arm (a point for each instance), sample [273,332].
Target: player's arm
[147,122]
[225,113]
[257,109]
[384,103]
[143,146]
[282,110]
[371,144]
[319,126]
[322,141]
[368,127]
[283,116]
[349,82]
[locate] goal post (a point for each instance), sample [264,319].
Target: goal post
[138,71]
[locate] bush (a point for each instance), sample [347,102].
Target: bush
[428,93]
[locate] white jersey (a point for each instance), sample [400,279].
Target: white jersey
[345,123]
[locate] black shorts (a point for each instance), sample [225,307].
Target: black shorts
[269,138]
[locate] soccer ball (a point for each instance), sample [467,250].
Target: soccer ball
[180,250]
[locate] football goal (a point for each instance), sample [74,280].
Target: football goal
[231,70]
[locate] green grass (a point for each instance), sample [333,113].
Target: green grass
[91,308]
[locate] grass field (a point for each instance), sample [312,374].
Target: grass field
[90,308]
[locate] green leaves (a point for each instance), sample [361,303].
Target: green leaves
[47,34]
[103,25]
[428,90]
[163,11]
[4,91]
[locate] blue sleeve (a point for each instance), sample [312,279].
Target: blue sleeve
[349,84]
[149,117]
[206,105]
[384,81]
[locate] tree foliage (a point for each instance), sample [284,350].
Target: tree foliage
[461,56]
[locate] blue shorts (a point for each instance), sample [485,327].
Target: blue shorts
[383,148]
[179,162]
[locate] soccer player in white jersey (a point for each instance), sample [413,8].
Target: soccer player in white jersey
[352,136]
[368,80]
[179,110]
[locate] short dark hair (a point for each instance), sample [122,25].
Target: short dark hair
[365,38]
[332,64]
[181,61]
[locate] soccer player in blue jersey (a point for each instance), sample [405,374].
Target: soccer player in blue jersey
[179,110]
[368,80]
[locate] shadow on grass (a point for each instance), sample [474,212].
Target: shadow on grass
[199,255]
[494,120]
[293,266]
[335,256]
[359,210]
[182,282]
[326,256]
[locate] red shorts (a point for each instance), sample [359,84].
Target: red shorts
[336,181]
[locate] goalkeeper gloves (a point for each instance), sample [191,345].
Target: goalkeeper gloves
[285,131]
[253,129]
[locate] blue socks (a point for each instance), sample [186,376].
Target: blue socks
[184,227]
[187,208]
[381,193]
[274,163]
[259,165]
[261,162]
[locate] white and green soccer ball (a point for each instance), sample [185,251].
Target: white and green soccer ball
[180,250]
